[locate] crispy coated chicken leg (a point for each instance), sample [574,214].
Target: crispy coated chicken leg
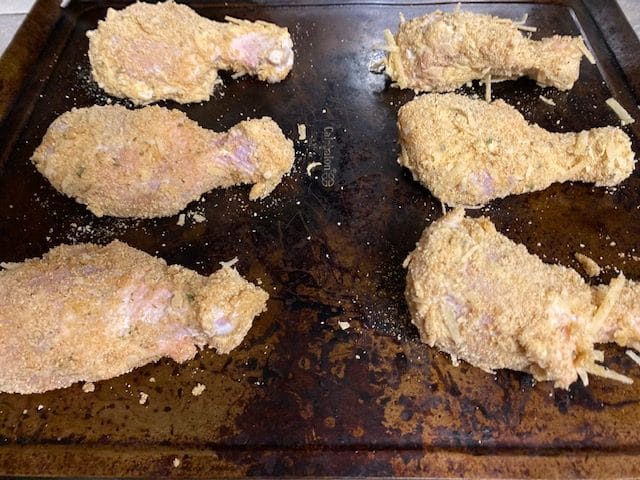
[468,152]
[440,52]
[152,162]
[87,312]
[150,52]
[480,297]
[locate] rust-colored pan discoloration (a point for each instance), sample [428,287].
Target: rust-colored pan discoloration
[332,380]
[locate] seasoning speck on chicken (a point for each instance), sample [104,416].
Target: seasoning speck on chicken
[151,162]
[440,52]
[151,52]
[482,298]
[468,152]
[88,313]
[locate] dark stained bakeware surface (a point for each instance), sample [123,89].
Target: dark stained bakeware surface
[303,396]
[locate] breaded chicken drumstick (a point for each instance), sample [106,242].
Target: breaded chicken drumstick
[152,162]
[468,152]
[150,52]
[482,298]
[87,312]
[440,52]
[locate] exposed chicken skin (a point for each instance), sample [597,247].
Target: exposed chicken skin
[87,312]
[468,152]
[440,52]
[152,162]
[150,52]
[480,297]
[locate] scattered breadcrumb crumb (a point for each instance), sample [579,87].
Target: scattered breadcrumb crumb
[311,166]
[229,263]
[88,387]
[176,462]
[302,132]
[143,398]
[548,101]
[623,115]
[152,379]
[198,389]
[198,218]
[588,264]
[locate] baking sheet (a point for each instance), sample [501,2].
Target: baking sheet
[303,396]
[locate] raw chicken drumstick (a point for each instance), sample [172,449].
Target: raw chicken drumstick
[440,52]
[468,152]
[150,52]
[88,312]
[152,162]
[482,298]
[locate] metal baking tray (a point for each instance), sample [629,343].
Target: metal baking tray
[301,396]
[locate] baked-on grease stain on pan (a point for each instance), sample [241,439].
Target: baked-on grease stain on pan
[293,398]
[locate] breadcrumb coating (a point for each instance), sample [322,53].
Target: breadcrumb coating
[468,152]
[150,52]
[88,313]
[440,52]
[151,162]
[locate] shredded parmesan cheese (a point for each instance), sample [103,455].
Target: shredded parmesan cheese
[582,373]
[604,372]
[143,398]
[586,52]
[302,132]
[527,28]
[235,20]
[391,45]
[611,297]
[402,19]
[452,325]
[590,266]
[311,166]
[180,221]
[394,67]
[548,101]
[623,115]
[229,263]
[470,252]
[598,355]
[344,325]
[634,356]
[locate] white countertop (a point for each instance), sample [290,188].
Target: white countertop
[12,12]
